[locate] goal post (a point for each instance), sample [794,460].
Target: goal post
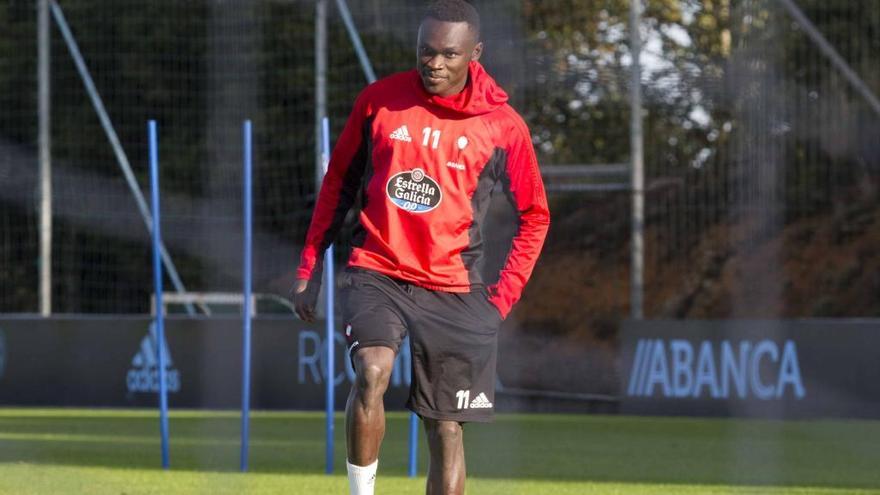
[222,303]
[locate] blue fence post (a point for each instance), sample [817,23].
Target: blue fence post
[246,294]
[413,444]
[157,282]
[331,324]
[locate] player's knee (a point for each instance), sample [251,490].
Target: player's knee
[445,431]
[373,369]
[370,385]
[374,376]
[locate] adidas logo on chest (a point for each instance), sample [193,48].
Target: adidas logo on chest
[401,134]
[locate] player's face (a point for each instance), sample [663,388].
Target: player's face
[444,51]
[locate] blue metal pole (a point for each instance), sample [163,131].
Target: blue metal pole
[246,294]
[330,361]
[157,281]
[413,445]
[331,324]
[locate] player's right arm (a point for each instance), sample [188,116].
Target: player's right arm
[338,192]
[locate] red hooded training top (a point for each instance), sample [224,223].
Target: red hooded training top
[425,166]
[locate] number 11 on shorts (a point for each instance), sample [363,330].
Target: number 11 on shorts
[463,398]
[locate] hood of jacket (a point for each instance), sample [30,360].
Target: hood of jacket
[480,95]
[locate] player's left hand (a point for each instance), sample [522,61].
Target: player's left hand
[305,299]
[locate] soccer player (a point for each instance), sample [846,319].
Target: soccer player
[421,154]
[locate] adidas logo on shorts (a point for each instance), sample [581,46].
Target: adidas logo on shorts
[481,402]
[401,134]
[464,402]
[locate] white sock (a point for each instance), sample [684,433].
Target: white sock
[362,479]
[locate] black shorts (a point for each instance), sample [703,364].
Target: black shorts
[453,341]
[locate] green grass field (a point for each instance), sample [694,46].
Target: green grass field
[117,452]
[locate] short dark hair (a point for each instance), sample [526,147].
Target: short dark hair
[454,11]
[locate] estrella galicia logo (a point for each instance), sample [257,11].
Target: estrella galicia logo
[414,191]
[2,353]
